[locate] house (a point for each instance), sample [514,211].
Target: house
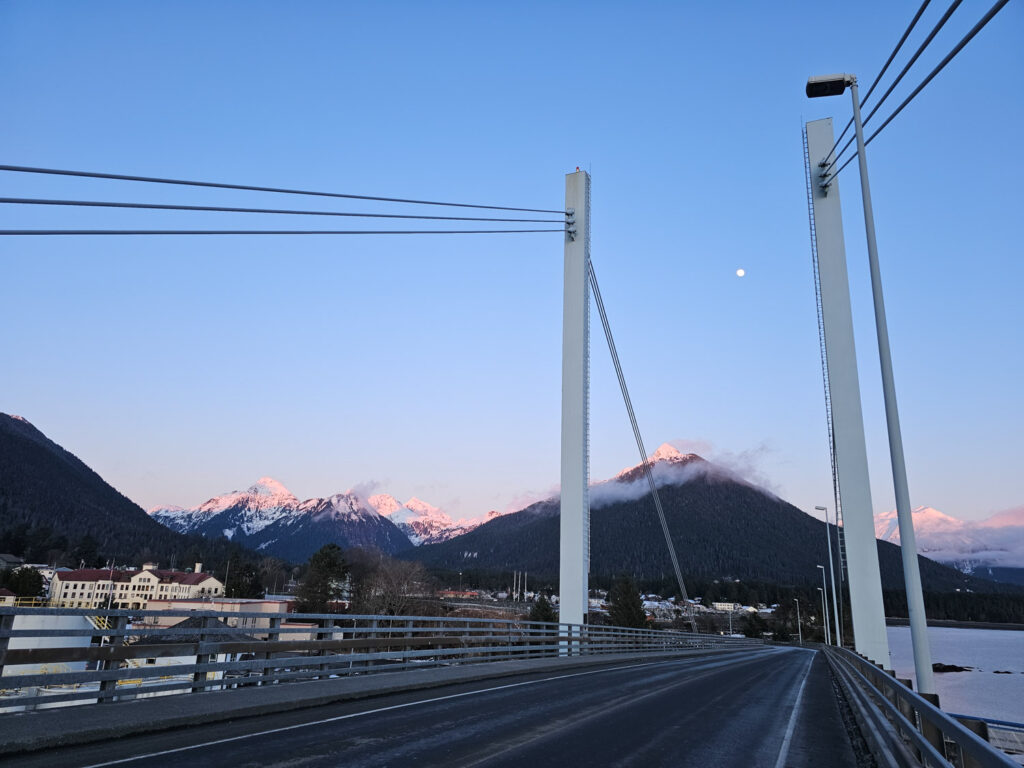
[7,597]
[129,589]
[178,668]
[221,604]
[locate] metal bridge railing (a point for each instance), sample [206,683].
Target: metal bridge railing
[904,728]
[116,654]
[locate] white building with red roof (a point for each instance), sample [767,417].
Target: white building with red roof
[130,589]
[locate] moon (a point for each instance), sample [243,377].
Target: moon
[740,272]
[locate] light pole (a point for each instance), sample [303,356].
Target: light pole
[799,629]
[824,596]
[831,85]
[824,610]
[832,575]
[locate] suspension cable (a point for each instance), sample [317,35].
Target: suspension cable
[636,433]
[878,77]
[253,188]
[931,75]
[225,209]
[920,49]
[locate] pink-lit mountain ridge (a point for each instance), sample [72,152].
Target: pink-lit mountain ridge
[997,541]
[270,518]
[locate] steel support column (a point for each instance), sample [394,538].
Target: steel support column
[866,607]
[574,548]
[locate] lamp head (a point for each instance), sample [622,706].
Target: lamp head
[828,85]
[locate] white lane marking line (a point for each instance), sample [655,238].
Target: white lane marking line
[784,751]
[371,712]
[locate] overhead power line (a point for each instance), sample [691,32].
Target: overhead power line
[878,77]
[645,462]
[225,209]
[253,188]
[906,68]
[274,231]
[931,75]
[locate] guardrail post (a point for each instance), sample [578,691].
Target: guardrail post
[272,636]
[326,632]
[109,687]
[201,658]
[6,623]
[980,727]
[905,707]
[372,634]
[410,638]
[929,731]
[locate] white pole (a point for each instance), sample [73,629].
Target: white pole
[832,575]
[908,541]
[574,542]
[824,608]
[799,629]
[866,607]
[824,592]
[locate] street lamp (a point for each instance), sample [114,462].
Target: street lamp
[799,630]
[833,85]
[832,575]
[824,598]
[824,610]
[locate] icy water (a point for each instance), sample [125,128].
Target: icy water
[979,691]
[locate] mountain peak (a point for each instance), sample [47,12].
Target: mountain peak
[665,452]
[268,486]
[384,504]
[422,507]
[667,455]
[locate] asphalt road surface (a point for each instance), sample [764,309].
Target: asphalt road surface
[774,707]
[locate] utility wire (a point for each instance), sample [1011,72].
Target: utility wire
[878,77]
[251,188]
[931,35]
[949,57]
[273,231]
[223,209]
[636,433]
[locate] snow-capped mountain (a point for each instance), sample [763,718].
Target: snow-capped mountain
[423,523]
[967,545]
[248,511]
[666,461]
[267,516]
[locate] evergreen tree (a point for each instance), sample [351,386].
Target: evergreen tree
[324,580]
[626,610]
[244,580]
[542,610]
[24,581]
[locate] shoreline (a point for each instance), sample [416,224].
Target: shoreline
[895,621]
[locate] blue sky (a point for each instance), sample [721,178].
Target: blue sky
[179,368]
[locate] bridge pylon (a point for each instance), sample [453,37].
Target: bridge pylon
[574,542]
[851,458]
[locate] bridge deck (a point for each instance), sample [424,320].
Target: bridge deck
[771,708]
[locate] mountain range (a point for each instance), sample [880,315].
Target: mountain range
[269,518]
[993,547]
[721,526]
[53,505]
